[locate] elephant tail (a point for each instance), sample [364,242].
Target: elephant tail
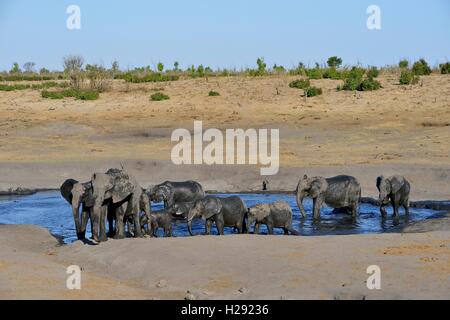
[293,231]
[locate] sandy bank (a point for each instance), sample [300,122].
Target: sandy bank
[413,266]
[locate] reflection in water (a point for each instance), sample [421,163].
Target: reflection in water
[50,210]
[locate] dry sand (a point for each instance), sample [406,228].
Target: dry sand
[399,129]
[413,266]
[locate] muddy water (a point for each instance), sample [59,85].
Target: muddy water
[50,210]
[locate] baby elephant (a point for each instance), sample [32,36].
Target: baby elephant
[159,219]
[273,215]
[396,190]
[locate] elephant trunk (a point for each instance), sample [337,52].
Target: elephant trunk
[76,218]
[190,227]
[300,196]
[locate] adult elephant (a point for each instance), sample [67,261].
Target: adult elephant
[337,192]
[174,192]
[78,195]
[394,189]
[225,212]
[121,189]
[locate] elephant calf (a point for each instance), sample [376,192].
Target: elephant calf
[158,219]
[396,189]
[273,215]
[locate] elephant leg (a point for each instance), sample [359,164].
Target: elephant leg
[317,204]
[286,231]
[256,229]
[102,225]
[208,225]
[220,226]
[269,228]
[111,228]
[394,202]
[137,220]
[383,210]
[120,227]
[85,214]
[355,209]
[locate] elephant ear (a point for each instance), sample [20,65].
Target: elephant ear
[212,207]
[318,186]
[396,184]
[122,189]
[166,190]
[379,179]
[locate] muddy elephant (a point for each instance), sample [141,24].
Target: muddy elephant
[337,192]
[225,212]
[158,219]
[274,215]
[180,210]
[80,195]
[394,189]
[121,189]
[174,192]
[121,214]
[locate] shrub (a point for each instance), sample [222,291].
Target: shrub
[149,77]
[313,91]
[278,69]
[159,96]
[421,68]
[99,78]
[160,67]
[52,95]
[300,84]
[213,93]
[316,73]
[373,72]
[87,95]
[408,77]
[445,68]
[334,62]
[332,73]
[369,84]
[7,87]
[298,71]
[403,64]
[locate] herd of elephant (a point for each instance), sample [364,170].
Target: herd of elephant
[117,197]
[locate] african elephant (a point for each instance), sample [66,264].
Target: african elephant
[337,192]
[173,192]
[180,210]
[396,189]
[273,215]
[225,212]
[120,188]
[158,219]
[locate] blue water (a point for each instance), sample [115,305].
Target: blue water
[50,210]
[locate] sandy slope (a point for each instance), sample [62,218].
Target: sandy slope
[402,129]
[413,266]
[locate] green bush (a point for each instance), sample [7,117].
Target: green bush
[300,84]
[403,64]
[159,96]
[445,68]
[408,77]
[373,72]
[77,94]
[421,68]
[351,84]
[213,93]
[332,73]
[7,87]
[87,95]
[369,84]
[313,91]
[315,73]
[149,77]
[52,94]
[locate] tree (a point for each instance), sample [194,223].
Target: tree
[403,64]
[115,66]
[160,67]
[261,66]
[15,68]
[29,66]
[176,65]
[73,64]
[334,62]
[44,71]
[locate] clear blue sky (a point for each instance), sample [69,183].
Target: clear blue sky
[226,33]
